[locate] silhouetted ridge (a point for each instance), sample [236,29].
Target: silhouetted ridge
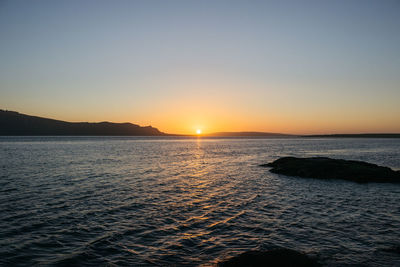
[14,123]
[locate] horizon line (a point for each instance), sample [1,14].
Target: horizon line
[241,133]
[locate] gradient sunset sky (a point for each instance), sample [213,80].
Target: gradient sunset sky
[276,66]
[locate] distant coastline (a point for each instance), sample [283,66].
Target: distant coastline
[249,134]
[16,124]
[363,135]
[13,123]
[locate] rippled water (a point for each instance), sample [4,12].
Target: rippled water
[149,201]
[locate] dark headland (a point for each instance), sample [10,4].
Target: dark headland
[14,123]
[327,168]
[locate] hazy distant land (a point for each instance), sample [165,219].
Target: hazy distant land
[362,135]
[14,123]
[248,134]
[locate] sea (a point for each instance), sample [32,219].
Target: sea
[171,201]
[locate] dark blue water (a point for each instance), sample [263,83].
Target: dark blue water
[148,201]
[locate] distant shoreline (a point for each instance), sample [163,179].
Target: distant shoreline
[172,136]
[369,135]
[16,124]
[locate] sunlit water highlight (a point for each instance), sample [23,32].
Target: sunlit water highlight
[152,201]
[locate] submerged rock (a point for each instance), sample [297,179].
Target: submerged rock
[327,168]
[393,249]
[276,257]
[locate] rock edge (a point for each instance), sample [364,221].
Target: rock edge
[328,168]
[275,257]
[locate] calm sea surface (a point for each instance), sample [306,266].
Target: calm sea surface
[151,201]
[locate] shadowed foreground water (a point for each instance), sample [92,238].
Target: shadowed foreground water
[152,201]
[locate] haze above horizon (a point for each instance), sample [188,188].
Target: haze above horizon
[298,67]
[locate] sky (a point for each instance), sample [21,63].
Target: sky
[301,67]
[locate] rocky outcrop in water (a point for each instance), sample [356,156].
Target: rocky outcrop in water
[277,257]
[327,168]
[393,249]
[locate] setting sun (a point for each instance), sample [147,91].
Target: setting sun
[198,131]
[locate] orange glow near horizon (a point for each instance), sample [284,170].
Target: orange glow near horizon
[225,108]
[224,118]
[187,120]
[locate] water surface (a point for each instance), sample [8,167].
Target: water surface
[162,201]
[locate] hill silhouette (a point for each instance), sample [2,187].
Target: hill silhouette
[14,123]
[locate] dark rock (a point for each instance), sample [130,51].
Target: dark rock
[276,257]
[327,168]
[393,249]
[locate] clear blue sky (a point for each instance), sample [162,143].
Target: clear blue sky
[282,66]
